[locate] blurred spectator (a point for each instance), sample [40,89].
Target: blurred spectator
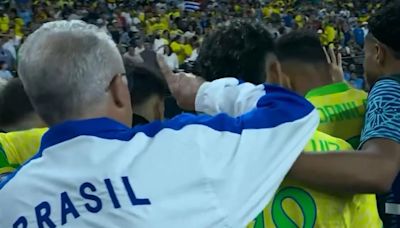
[131,57]
[4,72]
[359,35]
[178,47]
[12,43]
[5,55]
[139,46]
[195,50]
[159,43]
[170,58]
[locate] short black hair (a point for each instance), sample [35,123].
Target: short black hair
[302,45]
[236,50]
[384,25]
[144,83]
[14,103]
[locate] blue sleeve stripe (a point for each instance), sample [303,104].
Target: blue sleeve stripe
[276,107]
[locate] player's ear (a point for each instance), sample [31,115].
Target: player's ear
[381,52]
[120,102]
[285,81]
[274,70]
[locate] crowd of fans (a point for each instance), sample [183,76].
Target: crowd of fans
[89,96]
[172,29]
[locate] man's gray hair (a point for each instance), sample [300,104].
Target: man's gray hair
[66,67]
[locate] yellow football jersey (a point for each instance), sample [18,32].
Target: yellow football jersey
[4,23]
[296,205]
[18,147]
[19,24]
[341,109]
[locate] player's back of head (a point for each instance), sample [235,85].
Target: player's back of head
[384,26]
[16,110]
[238,49]
[147,89]
[303,60]
[382,47]
[303,46]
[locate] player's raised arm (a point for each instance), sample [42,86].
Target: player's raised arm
[225,95]
[228,95]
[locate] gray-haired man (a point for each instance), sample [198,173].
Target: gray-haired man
[94,171]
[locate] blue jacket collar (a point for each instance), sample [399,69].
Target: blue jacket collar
[101,127]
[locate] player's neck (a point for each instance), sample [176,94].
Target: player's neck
[392,69]
[307,79]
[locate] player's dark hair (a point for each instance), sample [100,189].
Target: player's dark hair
[144,83]
[301,45]
[384,26]
[14,103]
[236,50]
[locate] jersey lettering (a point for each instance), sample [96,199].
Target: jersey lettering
[86,190]
[135,201]
[339,112]
[112,194]
[67,207]
[98,205]
[43,211]
[21,223]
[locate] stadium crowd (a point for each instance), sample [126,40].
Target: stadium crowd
[167,28]
[282,133]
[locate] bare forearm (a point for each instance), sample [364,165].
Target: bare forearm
[347,172]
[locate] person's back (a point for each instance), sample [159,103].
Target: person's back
[304,62]
[320,209]
[341,109]
[340,106]
[93,170]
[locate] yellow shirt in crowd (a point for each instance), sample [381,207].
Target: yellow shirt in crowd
[299,20]
[19,24]
[4,23]
[188,50]
[179,50]
[330,33]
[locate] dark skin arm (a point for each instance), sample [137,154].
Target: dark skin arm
[371,170]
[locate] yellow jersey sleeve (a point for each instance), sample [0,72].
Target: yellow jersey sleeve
[17,147]
[296,205]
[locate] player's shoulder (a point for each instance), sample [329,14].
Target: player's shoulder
[386,88]
[358,92]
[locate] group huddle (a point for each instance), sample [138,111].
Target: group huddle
[279,139]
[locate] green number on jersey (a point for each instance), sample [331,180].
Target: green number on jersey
[280,218]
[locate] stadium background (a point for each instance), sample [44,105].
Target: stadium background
[175,29]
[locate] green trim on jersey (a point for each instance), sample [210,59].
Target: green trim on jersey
[3,158]
[328,89]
